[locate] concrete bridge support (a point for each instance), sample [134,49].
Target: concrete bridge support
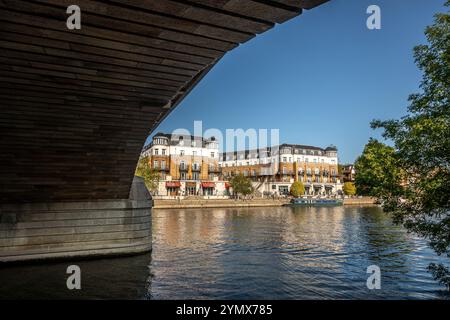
[36,231]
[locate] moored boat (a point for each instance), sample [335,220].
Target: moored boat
[314,202]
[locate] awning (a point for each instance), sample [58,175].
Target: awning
[173,184]
[208,185]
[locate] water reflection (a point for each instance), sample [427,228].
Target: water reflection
[286,253]
[249,253]
[114,278]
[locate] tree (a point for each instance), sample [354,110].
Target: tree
[297,189]
[378,172]
[241,185]
[422,148]
[150,175]
[349,188]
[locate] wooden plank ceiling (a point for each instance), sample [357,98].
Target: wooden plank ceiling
[77,105]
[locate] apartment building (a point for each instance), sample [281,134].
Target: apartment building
[273,170]
[188,165]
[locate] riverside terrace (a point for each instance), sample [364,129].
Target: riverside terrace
[77,106]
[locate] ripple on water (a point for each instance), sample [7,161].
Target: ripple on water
[286,253]
[251,253]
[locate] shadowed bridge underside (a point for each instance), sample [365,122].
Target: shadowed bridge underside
[77,105]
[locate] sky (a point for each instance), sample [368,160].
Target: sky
[319,78]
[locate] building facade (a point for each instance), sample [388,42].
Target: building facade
[193,166]
[187,165]
[273,170]
[348,173]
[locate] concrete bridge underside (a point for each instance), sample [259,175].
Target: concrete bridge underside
[77,105]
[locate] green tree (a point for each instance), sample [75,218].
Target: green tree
[422,148]
[297,189]
[378,172]
[150,175]
[241,185]
[349,188]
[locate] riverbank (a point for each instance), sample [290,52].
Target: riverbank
[216,203]
[231,203]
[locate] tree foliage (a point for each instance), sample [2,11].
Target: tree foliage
[297,189]
[378,171]
[349,188]
[241,185]
[150,175]
[422,149]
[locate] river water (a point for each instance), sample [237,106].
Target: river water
[250,253]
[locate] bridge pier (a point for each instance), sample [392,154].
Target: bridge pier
[63,230]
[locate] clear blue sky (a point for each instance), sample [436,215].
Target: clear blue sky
[319,78]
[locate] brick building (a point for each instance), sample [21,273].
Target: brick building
[273,170]
[190,166]
[187,165]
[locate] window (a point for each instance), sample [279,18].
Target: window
[194,153]
[212,154]
[183,176]
[163,152]
[163,164]
[163,175]
[195,176]
[181,152]
[155,163]
[284,159]
[156,152]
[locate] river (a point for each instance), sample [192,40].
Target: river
[250,253]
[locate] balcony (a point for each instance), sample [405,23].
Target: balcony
[213,169]
[286,172]
[183,168]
